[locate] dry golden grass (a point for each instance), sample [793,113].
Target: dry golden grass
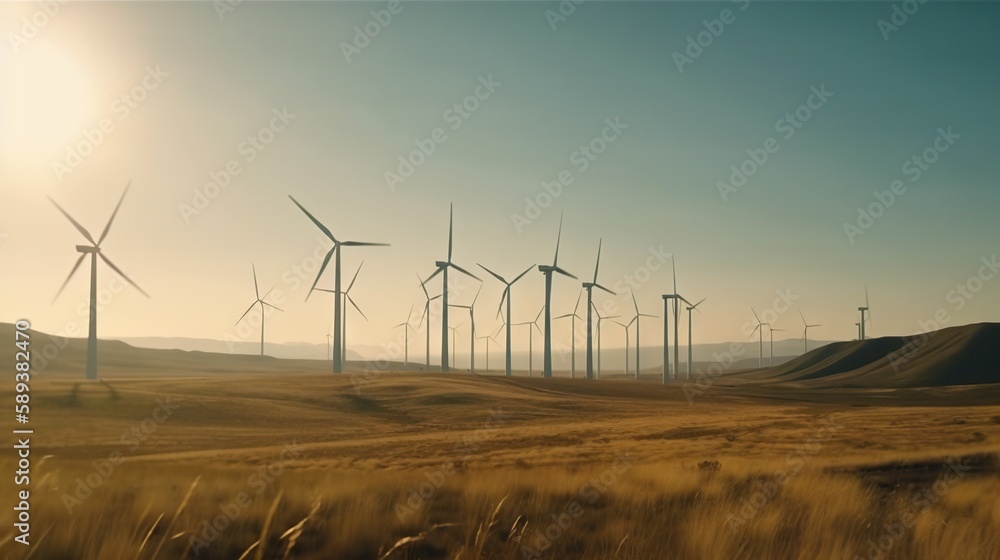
[631,467]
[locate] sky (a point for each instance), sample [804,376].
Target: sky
[215,116]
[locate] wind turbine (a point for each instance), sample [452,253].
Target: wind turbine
[677,298]
[864,310]
[589,286]
[338,349]
[426,313]
[573,317]
[599,319]
[627,327]
[472,338]
[637,339]
[259,300]
[94,250]
[759,327]
[328,349]
[531,339]
[690,330]
[442,267]
[547,271]
[454,331]
[858,326]
[406,338]
[347,295]
[506,296]
[772,330]
[489,339]
[805,333]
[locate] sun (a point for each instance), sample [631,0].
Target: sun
[46,99]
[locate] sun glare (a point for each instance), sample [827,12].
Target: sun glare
[46,100]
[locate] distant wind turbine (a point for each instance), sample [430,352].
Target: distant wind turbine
[262,303]
[677,298]
[94,250]
[531,339]
[426,313]
[638,320]
[547,335]
[690,330]
[865,310]
[454,331]
[506,297]
[572,341]
[442,268]
[599,319]
[489,339]
[407,327]
[626,327]
[589,286]
[472,338]
[805,332]
[338,349]
[760,328]
[772,330]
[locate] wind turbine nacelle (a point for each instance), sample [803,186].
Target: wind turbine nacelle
[441,264]
[87,249]
[546,268]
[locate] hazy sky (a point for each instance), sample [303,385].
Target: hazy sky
[212,82]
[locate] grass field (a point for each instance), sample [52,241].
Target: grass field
[459,466]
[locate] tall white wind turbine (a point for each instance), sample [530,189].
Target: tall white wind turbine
[589,286]
[547,335]
[690,309]
[503,298]
[805,332]
[262,303]
[572,341]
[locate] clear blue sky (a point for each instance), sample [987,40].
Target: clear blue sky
[655,185]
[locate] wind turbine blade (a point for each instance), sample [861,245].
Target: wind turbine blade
[866,295]
[755,329]
[424,312]
[755,316]
[75,223]
[431,277]
[695,306]
[351,285]
[422,287]
[326,290]
[673,265]
[634,303]
[506,293]
[634,319]
[315,221]
[120,273]
[451,223]
[363,244]
[350,299]
[555,260]
[519,276]
[436,297]
[605,289]
[79,261]
[273,307]
[409,315]
[539,313]
[621,324]
[562,316]
[477,296]
[113,214]
[539,328]
[247,311]
[326,261]
[495,275]
[803,319]
[256,292]
[463,271]
[564,273]
[268,292]
[577,306]
[598,266]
